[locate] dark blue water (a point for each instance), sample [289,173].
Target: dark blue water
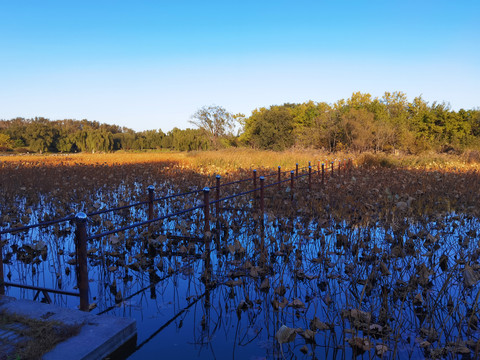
[412,287]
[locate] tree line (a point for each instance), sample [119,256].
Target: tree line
[42,135]
[359,123]
[364,123]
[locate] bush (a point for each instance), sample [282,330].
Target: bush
[370,160]
[472,156]
[5,148]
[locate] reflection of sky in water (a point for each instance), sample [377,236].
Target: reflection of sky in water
[324,264]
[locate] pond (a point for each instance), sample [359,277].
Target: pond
[303,280]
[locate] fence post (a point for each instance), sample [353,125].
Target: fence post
[318,168]
[296,169]
[339,167]
[262,205]
[81,250]
[206,229]
[323,173]
[2,285]
[255,188]
[332,170]
[292,182]
[309,177]
[279,176]
[150,189]
[206,209]
[217,196]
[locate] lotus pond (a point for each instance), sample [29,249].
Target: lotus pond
[373,263]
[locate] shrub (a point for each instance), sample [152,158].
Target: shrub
[370,160]
[472,156]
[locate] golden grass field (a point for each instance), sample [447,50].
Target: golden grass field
[229,160]
[68,179]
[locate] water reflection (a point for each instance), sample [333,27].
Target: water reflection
[406,290]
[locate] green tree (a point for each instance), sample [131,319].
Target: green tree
[40,135]
[5,142]
[271,128]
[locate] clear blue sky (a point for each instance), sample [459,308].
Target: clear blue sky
[152,64]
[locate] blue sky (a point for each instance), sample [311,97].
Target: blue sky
[152,64]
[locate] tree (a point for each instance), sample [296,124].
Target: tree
[5,142]
[215,121]
[359,129]
[270,129]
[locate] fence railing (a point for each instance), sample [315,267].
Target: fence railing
[81,230]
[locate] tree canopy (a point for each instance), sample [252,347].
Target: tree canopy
[358,123]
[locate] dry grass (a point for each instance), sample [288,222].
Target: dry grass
[202,161]
[42,336]
[230,160]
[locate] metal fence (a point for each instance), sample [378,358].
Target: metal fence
[81,229]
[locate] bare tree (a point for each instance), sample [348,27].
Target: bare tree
[215,121]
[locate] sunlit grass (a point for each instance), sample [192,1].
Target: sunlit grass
[229,160]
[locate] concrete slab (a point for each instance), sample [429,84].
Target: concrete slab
[99,336]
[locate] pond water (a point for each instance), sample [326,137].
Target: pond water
[406,290]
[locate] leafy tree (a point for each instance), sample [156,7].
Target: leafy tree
[215,121]
[271,128]
[5,142]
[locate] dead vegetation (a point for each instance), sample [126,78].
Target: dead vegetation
[381,261]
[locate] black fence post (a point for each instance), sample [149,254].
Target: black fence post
[292,182]
[2,285]
[81,251]
[262,204]
[279,176]
[296,169]
[150,189]
[323,173]
[255,188]
[332,170]
[206,229]
[206,209]
[339,167]
[309,177]
[217,196]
